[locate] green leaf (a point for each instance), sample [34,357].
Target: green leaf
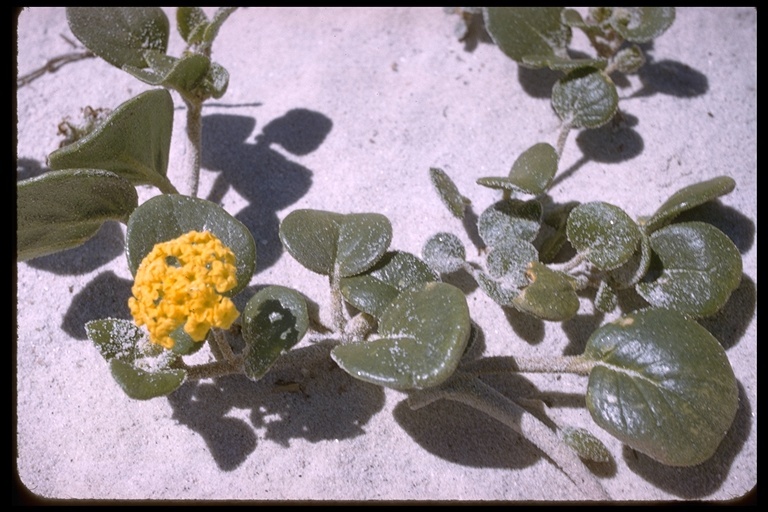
[444,252]
[328,242]
[531,173]
[509,261]
[604,233]
[373,291]
[565,64]
[448,192]
[510,219]
[549,295]
[133,142]
[585,98]
[423,336]
[586,445]
[556,220]
[63,209]
[522,31]
[702,267]
[687,198]
[631,272]
[183,75]
[641,24]
[629,60]
[663,385]
[140,368]
[141,384]
[165,217]
[274,320]
[120,35]
[191,23]
[219,17]
[606,300]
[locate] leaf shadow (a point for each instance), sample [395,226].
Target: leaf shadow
[105,296]
[258,172]
[304,396]
[697,481]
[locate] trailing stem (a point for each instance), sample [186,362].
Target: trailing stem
[472,391]
[194,141]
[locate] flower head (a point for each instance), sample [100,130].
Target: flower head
[180,282]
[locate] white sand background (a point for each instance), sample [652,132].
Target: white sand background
[346,109]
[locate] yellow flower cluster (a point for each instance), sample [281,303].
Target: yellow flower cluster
[179,283]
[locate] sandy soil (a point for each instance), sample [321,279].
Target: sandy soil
[346,110]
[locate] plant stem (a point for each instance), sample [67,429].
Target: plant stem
[565,129]
[215,369]
[475,393]
[576,365]
[194,140]
[337,305]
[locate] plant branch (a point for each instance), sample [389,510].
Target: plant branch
[576,365]
[194,132]
[477,394]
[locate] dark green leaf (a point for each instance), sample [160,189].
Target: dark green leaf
[219,17]
[141,384]
[565,64]
[328,242]
[63,209]
[702,267]
[423,336]
[585,98]
[556,220]
[509,261]
[169,216]
[274,320]
[120,35]
[449,194]
[133,142]
[183,75]
[444,252]
[687,198]
[115,338]
[631,272]
[606,300]
[604,233]
[510,219]
[373,291]
[642,24]
[521,31]
[585,444]
[549,295]
[629,60]
[663,385]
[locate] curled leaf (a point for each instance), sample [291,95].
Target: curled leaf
[523,31]
[585,98]
[444,252]
[508,220]
[449,193]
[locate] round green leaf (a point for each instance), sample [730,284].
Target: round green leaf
[169,216]
[373,291]
[120,35]
[604,233]
[274,320]
[448,192]
[444,252]
[63,209]
[549,295]
[663,385]
[641,24]
[687,198]
[423,336]
[585,98]
[183,75]
[521,31]
[328,242]
[191,23]
[629,60]
[143,385]
[508,220]
[702,267]
[115,338]
[133,142]
[531,173]
[509,261]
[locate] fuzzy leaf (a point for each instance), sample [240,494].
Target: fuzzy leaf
[629,60]
[274,320]
[510,219]
[604,233]
[564,64]
[663,385]
[448,192]
[687,198]
[549,295]
[641,24]
[133,142]
[509,261]
[191,23]
[373,291]
[522,31]
[531,173]
[326,241]
[444,252]
[423,336]
[585,98]
[169,216]
[141,369]
[184,74]
[586,445]
[120,35]
[63,209]
[702,267]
